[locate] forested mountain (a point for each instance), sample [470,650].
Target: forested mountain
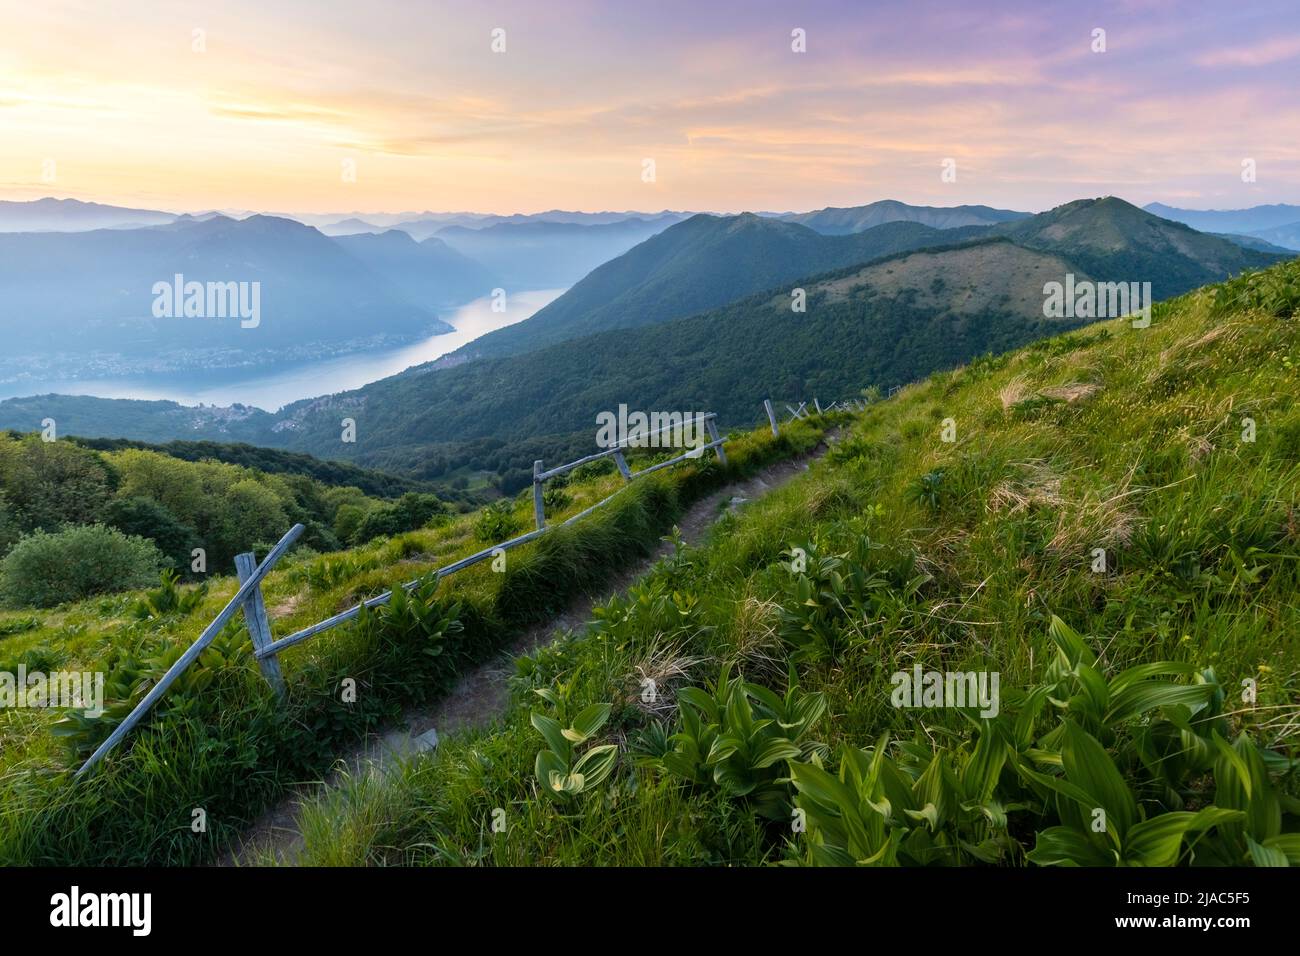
[699,264]
[1116,241]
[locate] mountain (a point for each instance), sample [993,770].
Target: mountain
[73,215]
[430,273]
[349,227]
[1115,241]
[1287,236]
[702,263]
[428,224]
[883,323]
[1263,245]
[1249,221]
[549,255]
[875,321]
[834,221]
[94,291]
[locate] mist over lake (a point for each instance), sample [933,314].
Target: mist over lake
[297,380]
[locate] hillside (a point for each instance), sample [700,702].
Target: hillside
[883,325]
[1115,241]
[272,461]
[1173,449]
[1120,671]
[836,221]
[702,263]
[428,272]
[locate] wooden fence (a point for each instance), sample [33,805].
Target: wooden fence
[249,596]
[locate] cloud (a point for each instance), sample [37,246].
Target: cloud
[1258,54]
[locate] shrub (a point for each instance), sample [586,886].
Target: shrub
[496,523]
[45,569]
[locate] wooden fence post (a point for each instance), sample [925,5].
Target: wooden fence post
[623,469]
[771,416]
[194,650]
[539,512]
[713,436]
[259,625]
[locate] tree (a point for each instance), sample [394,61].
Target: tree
[146,518]
[50,484]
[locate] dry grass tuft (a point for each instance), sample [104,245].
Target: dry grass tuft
[652,679]
[1073,392]
[1040,487]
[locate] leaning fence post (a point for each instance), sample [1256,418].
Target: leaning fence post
[539,512]
[623,469]
[259,626]
[817,405]
[194,650]
[713,437]
[771,416]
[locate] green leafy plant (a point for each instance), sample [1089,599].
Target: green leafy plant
[563,773]
[928,489]
[169,598]
[737,736]
[929,806]
[496,523]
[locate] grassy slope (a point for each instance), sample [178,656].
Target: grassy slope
[220,743]
[1201,529]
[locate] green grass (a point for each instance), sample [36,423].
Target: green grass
[982,554]
[219,743]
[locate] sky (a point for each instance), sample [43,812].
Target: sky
[394,105]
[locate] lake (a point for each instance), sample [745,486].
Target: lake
[308,380]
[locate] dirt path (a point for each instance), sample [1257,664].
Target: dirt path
[481,694]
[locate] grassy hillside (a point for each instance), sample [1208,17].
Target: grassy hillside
[1114,531]
[218,741]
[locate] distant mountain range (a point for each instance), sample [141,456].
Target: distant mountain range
[1277,224]
[547,255]
[72,215]
[964,291]
[834,221]
[95,291]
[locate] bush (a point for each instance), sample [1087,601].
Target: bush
[46,569]
[411,511]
